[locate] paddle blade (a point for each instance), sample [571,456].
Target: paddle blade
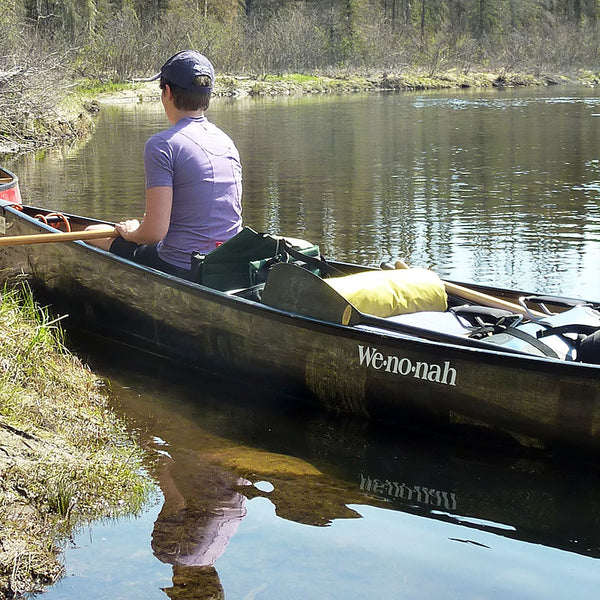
[296,290]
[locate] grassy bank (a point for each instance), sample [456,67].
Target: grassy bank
[65,459]
[290,84]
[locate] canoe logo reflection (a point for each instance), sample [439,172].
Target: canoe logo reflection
[373,358]
[411,493]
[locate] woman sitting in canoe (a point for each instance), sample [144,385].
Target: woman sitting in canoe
[193,177]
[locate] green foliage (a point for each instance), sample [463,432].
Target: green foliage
[94,87]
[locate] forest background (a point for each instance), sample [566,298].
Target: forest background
[48,46]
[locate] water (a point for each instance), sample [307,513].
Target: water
[489,186]
[261,498]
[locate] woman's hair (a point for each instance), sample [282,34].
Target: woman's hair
[194,99]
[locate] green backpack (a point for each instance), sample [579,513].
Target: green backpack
[244,260]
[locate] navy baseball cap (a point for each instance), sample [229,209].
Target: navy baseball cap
[183,68]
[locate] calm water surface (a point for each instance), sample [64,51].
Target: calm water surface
[261,499]
[497,187]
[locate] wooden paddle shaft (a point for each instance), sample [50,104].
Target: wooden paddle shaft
[70,236]
[491,301]
[483,299]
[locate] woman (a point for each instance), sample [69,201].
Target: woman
[193,177]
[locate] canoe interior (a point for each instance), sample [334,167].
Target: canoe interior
[453,388]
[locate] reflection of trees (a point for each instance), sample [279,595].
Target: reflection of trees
[472,182]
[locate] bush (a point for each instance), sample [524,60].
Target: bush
[31,79]
[296,39]
[119,49]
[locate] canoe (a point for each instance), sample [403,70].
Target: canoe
[298,334]
[9,187]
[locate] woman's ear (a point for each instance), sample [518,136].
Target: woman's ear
[168,92]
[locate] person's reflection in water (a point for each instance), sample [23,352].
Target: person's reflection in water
[201,512]
[205,491]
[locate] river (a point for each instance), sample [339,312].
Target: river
[261,498]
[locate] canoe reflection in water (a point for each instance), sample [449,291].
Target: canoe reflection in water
[219,445]
[205,492]
[207,483]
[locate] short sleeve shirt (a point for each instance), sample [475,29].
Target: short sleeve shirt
[202,165]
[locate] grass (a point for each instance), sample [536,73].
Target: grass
[92,87]
[65,458]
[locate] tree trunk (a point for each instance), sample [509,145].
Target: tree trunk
[481,29]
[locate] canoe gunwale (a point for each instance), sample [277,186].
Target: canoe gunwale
[9,187]
[6,174]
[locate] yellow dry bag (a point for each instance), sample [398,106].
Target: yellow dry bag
[389,293]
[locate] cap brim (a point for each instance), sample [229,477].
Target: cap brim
[155,77]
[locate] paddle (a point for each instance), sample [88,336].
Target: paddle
[297,290]
[44,238]
[482,299]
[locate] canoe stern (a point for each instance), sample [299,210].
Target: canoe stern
[9,187]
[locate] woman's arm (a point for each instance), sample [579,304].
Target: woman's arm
[155,223]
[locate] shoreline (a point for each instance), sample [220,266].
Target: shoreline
[76,116]
[293,84]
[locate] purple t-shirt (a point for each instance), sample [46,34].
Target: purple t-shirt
[202,165]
